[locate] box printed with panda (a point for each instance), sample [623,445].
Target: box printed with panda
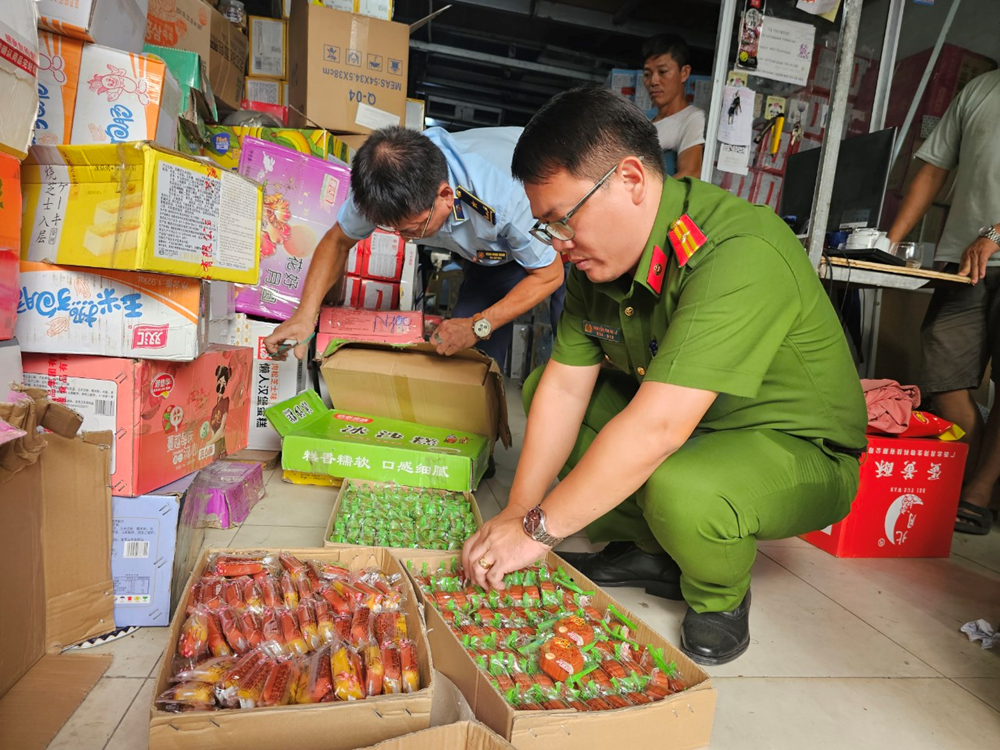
[169,418]
[302,196]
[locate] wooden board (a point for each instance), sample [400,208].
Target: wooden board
[900,270]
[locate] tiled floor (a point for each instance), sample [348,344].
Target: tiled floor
[846,653]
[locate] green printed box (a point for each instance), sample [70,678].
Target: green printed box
[318,440]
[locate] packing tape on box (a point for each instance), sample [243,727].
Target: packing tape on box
[401,392]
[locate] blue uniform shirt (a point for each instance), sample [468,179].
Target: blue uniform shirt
[478,161]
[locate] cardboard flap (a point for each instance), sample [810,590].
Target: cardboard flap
[296,413]
[63,421]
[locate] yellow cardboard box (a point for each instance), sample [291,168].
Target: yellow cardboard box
[138,207]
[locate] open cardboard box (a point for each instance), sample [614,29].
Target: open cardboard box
[463,735]
[680,722]
[55,529]
[355,482]
[326,726]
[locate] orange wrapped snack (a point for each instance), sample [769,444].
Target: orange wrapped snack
[408,665]
[392,679]
[316,679]
[229,618]
[575,629]
[308,624]
[216,642]
[560,659]
[193,640]
[346,675]
[361,626]
[187,696]
[280,683]
[291,634]
[289,592]
[374,672]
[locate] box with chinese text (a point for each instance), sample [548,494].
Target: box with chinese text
[59,60]
[348,324]
[378,257]
[10,230]
[18,75]
[117,313]
[906,502]
[120,23]
[318,440]
[302,196]
[169,418]
[137,207]
[271,381]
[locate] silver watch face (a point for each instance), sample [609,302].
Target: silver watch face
[481,328]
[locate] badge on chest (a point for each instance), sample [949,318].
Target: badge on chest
[603,332]
[493,256]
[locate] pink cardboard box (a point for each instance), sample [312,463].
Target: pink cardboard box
[302,195]
[227,490]
[169,418]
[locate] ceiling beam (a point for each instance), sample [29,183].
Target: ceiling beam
[626,9]
[503,62]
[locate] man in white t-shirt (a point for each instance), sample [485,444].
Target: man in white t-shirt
[680,126]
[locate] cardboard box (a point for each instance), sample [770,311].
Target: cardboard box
[196,26]
[197,106]
[59,60]
[277,111]
[169,418]
[463,735]
[227,491]
[348,72]
[154,539]
[415,114]
[226,143]
[906,502]
[318,440]
[302,197]
[346,324]
[411,287]
[169,219]
[117,313]
[10,230]
[123,97]
[11,370]
[57,536]
[348,483]
[370,294]
[378,257]
[268,48]
[381,9]
[322,726]
[272,381]
[683,720]
[265,90]
[116,23]
[18,76]
[462,392]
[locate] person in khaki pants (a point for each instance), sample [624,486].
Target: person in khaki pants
[960,332]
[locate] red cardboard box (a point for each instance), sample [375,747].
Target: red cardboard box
[278,111]
[378,257]
[169,418]
[906,502]
[368,294]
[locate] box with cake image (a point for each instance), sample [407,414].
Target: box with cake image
[138,207]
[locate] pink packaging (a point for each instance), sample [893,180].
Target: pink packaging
[227,490]
[302,196]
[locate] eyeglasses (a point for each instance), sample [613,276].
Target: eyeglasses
[407,233]
[561,230]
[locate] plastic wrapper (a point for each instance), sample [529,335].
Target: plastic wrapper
[193,640]
[230,621]
[408,666]
[289,591]
[216,640]
[309,624]
[374,673]
[252,594]
[231,565]
[291,634]
[361,626]
[279,686]
[252,628]
[315,678]
[187,696]
[392,671]
[270,595]
[226,689]
[347,674]
[209,671]
[291,564]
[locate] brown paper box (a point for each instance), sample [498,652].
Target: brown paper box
[462,392]
[464,735]
[680,722]
[340,499]
[326,726]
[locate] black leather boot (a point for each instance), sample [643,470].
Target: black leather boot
[624,564]
[714,638]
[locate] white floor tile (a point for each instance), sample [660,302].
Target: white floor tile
[135,655]
[984,550]
[987,689]
[293,505]
[860,714]
[795,631]
[488,505]
[919,604]
[93,723]
[133,731]
[220,538]
[284,537]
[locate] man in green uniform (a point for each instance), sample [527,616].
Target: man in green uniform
[700,395]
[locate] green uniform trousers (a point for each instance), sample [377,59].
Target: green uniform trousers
[709,502]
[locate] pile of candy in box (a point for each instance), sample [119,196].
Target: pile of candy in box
[390,515]
[270,630]
[544,646]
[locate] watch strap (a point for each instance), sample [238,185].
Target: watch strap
[540,534]
[990,233]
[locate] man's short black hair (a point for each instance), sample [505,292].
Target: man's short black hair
[667,44]
[396,175]
[585,131]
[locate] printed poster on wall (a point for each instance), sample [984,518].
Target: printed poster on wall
[785,51]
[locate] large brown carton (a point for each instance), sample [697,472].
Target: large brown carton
[462,392]
[196,26]
[682,721]
[347,72]
[464,735]
[323,726]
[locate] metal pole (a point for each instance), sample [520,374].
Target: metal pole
[887,64]
[901,136]
[850,22]
[720,70]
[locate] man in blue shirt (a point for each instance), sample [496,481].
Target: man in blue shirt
[453,192]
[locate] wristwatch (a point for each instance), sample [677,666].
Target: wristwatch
[990,233]
[534,526]
[481,327]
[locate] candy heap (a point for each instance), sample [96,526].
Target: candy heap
[545,646]
[391,515]
[267,630]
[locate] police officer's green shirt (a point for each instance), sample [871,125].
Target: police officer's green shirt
[746,317]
